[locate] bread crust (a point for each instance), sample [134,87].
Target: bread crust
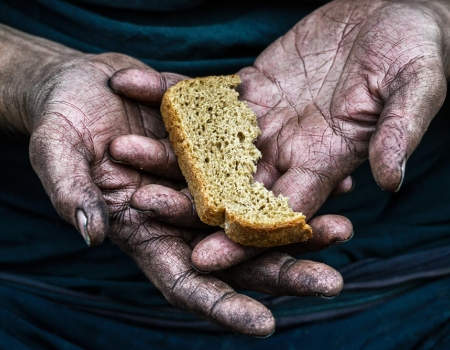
[242,231]
[266,235]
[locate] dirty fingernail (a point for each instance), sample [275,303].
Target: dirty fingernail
[82,226]
[340,241]
[264,336]
[323,296]
[199,271]
[403,167]
[353,185]
[115,160]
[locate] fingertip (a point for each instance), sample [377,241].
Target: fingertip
[345,186]
[387,161]
[264,336]
[340,241]
[313,279]
[331,282]
[402,169]
[171,79]
[199,271]
[147,154]
[329,229]
[217,252]
[116,147]
[81,220]
[92,223]
[248,316]
[143,84]
[167,205]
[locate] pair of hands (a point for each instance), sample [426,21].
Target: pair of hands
[353,80]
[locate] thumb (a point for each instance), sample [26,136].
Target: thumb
[146,85]
[64,170]
[411,102]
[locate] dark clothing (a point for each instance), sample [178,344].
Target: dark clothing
[218,37]
[58,293]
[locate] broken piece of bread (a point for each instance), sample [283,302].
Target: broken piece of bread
[213,135]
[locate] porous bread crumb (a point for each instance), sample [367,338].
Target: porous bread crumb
[213,135]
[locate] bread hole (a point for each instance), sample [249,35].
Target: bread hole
[219,145]
[207,160]
[241,136]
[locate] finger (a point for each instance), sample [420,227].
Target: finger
[281,274]
[393,85]
[167,205]
[412,100]
[305,163]
[147,154]
[146,84]
[327,230]
[165,261]
[65,173]
[217,252]
[305,189]
[345,186]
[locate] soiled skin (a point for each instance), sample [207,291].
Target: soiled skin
[79,127]
[353,80]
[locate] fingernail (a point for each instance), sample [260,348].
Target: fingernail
[323,296]
[115,161]
[110,87]
[202,272]
[340,241]
[264,336]
[353,184]
[151,212]
[403,167]
[82,226]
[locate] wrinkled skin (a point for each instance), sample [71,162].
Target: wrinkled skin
[354,80]
[75,117]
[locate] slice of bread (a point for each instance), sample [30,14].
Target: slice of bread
[213,135]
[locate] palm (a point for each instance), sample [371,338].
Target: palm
[80,118]
[326,88]
[77,127]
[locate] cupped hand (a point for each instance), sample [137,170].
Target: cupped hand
[76,119]
[272,272]
[353,80]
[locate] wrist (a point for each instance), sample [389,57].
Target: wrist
[26,65]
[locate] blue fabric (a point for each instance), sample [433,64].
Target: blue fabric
[57,293]
[217,38]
